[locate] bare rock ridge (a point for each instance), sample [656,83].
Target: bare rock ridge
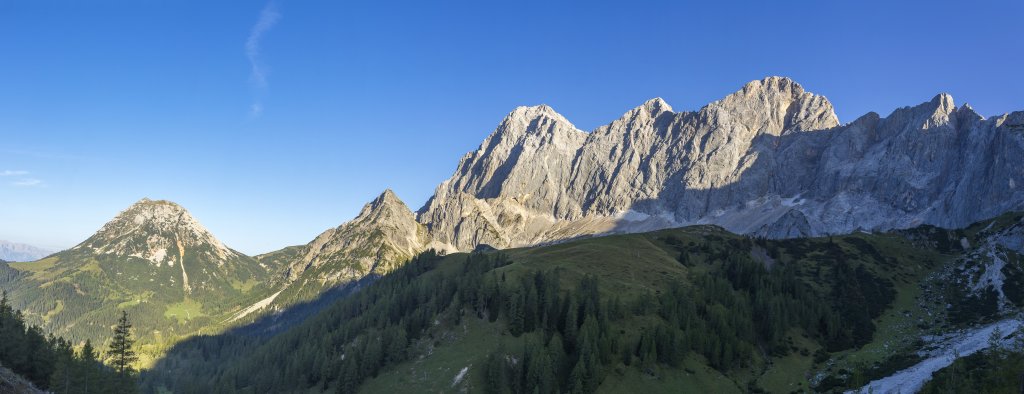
[770,159]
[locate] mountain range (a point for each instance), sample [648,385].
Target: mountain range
[770,160]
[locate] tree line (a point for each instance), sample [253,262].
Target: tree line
[51,363]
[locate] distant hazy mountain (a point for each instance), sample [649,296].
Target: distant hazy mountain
[11,251]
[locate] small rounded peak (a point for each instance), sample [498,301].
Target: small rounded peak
[146,201]
[517,122]
[656,105]
[534,111]
[649,109]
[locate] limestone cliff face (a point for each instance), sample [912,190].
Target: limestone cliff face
[770,159]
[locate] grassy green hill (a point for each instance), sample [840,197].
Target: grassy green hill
[687,309]
[152,260]
[79,296]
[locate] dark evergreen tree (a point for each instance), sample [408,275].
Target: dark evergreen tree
[121,352]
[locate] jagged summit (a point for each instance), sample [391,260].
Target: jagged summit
[387,199]
[383,234]
[770,158]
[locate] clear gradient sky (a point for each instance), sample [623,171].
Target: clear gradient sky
[272,122]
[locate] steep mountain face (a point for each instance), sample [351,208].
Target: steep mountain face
[770,159]
[12,251]
[383,235]
[154,260]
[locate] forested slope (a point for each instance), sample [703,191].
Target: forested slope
[696,308]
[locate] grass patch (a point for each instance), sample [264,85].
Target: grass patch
[184,311]
[245,286]
[434,367]
[786,374]
[695,376]
[57,309]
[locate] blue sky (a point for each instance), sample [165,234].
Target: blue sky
[272,122]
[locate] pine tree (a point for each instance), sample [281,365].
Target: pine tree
[121,347]
[89,367]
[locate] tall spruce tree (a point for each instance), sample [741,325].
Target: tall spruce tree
[121,351]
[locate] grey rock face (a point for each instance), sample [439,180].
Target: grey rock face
[770,159]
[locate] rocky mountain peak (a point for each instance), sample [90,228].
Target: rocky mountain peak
[775,105]
[537,120]
[149,229]
[650,109]
[770,158]
[384,232]
[387,198]
[656,105]
[772,84]
[386,205]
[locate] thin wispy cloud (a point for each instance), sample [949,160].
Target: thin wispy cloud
[13,173]
[29,182]
[258,71]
